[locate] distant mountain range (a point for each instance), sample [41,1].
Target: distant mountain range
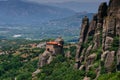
[21,12]
[22,19]
[89,7]
[68,28]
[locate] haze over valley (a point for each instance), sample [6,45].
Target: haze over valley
[38,20]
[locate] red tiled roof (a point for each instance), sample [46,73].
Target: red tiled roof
[53,43]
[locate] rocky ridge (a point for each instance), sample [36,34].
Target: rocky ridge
[98,49]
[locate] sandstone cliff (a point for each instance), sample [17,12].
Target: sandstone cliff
[98,48]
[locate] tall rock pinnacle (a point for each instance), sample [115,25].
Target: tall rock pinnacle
[99,41]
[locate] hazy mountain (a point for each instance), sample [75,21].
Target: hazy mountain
[21,12]
[67,27]
[78,6]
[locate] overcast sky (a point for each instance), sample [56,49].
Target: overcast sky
[57,1]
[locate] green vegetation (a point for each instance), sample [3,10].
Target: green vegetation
[12,67]
[115,44]
[14,44]
[110,76]
[91,74]
[60,69]
[73,51]
[90,38]
[23,58]
[20,61]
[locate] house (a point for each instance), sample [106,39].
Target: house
[55,47]
[52,49]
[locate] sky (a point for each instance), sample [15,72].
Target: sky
[60,1]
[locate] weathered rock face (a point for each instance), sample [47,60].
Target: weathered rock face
[84,30]
[118,59]
[68,54]
[99,44]
[45,58]
[109,61]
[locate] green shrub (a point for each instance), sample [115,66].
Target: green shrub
[115,44]
[110,76]
[24,76]
[73,51]
[91,74]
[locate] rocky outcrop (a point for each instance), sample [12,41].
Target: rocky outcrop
[84,30]
[109,61]
[68,54]
[86,78]
[99,41]
[118,59]
[52,49]
[45,58]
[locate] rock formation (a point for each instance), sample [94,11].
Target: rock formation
[52,49]
[99,43]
